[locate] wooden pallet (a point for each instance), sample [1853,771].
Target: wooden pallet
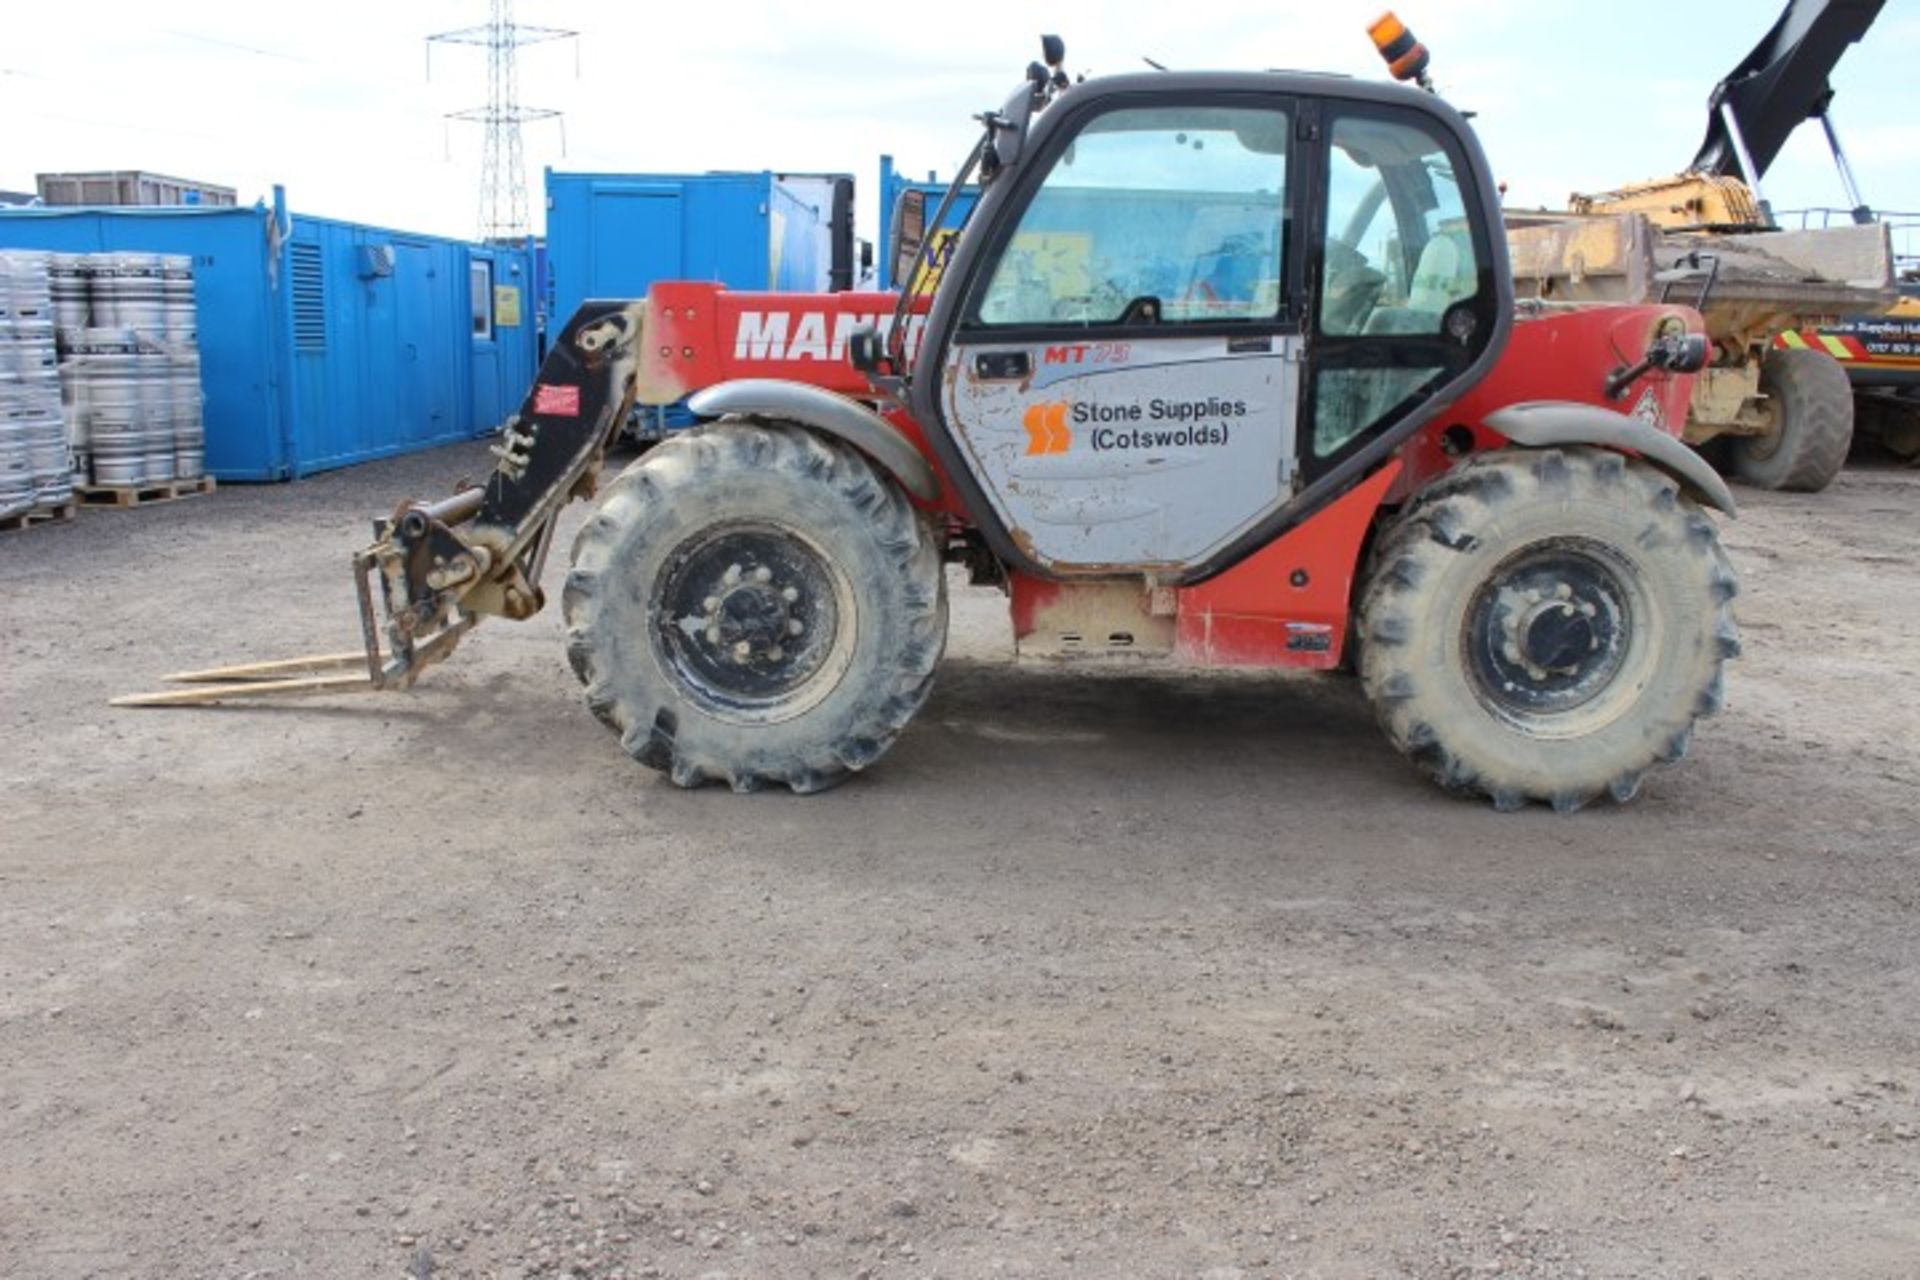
[142,495]
[45,515]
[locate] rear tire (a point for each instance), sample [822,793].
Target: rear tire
[755,605]
[1547,626]
[1812,406]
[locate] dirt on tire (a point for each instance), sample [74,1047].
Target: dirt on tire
[1423,664]
[841,523]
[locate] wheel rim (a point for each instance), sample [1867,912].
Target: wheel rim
[754,621]
[1555,636]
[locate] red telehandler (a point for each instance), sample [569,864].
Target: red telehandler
[1225,369]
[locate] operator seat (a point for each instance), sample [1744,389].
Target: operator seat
[1446,273]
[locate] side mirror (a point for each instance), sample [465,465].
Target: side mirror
[1678,352]
[908,233]
[1053,51]
[866,256]
[1690,353]
[864,349]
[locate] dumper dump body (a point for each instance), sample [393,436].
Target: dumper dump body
[1750,286]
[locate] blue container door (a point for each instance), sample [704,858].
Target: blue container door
[481,272]
[387,367]
[635,241]
[319,344]
[426,327]
[500,323]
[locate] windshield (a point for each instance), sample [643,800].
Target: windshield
[1181,209]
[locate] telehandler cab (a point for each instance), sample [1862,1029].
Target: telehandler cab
[1225,369]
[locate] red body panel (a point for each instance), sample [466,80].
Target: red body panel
[701,335]
[1562,355]
[1287,605]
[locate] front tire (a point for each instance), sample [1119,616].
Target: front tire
[755,605]
[1547,626]
[1810,402]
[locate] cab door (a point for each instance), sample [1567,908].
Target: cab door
[1405,296]
[1123,380]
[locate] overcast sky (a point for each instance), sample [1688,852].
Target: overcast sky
[334,99]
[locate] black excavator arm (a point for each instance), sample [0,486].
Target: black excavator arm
[442,566]
[1778,86]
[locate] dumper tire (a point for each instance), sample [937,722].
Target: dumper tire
[1496,681]
[756,605]
[1811,402]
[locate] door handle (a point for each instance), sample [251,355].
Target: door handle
[1002,366]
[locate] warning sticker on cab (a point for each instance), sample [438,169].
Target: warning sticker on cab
[559,402]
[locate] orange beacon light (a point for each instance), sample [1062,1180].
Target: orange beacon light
[1406,57]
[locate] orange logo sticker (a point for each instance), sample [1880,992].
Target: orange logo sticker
[1047,430]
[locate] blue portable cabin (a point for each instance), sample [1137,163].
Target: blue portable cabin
[322,342]
[893,184]
[611,235]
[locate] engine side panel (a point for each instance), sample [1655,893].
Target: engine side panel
[1565,354]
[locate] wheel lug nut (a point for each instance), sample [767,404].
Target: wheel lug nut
[763,574]
[732,575]
[793,626]
[710,604]
[713,635]
[790,594]
[776,653]
[742,651]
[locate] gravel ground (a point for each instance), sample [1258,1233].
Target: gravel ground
[1094,975]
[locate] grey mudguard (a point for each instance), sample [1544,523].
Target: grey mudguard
[1542,423]
[827,411]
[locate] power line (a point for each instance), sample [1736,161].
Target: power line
[503,169]
[234,45]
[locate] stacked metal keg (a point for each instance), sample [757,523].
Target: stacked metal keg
[35,467]
[129,343]
[67,281]
[108,388]
[182,324]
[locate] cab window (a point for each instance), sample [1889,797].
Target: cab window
[1175,215]
[1398,248]
[1398,257]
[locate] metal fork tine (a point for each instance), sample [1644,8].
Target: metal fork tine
[276,670]
[245,690]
